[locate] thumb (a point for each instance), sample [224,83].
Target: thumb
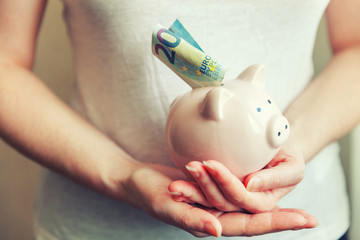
[284,174]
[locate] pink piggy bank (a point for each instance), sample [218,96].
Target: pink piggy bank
[237,124]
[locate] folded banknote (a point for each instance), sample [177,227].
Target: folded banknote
[178,50]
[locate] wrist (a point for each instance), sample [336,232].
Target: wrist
[117,171]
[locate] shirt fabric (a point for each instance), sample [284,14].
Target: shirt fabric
[126,92]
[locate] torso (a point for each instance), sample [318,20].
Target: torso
[126,92]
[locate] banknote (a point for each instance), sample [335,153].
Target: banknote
[179,51]
[178,29]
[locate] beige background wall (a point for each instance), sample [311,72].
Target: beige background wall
[18,175]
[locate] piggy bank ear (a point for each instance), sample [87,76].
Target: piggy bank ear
[212,107]
[254,74]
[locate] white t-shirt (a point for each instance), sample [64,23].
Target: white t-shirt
[126,92]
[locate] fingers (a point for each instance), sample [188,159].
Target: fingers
[224,191]
[283,174]
[210,188]
[153,198]
[236,193]
[183,191]
[192,219]
[285,169]
[235,224]
[229,184]
[312,221]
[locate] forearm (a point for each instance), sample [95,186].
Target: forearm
[329,107]
[38,124]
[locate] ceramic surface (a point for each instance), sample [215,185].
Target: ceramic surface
[237,124]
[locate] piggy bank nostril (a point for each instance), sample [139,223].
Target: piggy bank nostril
[277,131]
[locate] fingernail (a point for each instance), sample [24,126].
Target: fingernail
[254,184]
[175,193]
[271,164]
[209,166]
[301,226]
[194,172]
[212,230]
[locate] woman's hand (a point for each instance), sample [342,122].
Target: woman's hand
[261,192]
[252,208]
[148,185]
[281,175]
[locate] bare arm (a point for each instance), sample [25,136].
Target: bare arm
[324,112]
[329,108]
[36,122]
[42,127]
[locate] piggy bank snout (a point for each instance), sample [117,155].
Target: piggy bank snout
[278,130]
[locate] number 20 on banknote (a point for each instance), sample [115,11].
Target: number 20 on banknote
[172,41]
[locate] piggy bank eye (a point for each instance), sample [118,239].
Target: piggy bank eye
[258,109]
[269,101]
